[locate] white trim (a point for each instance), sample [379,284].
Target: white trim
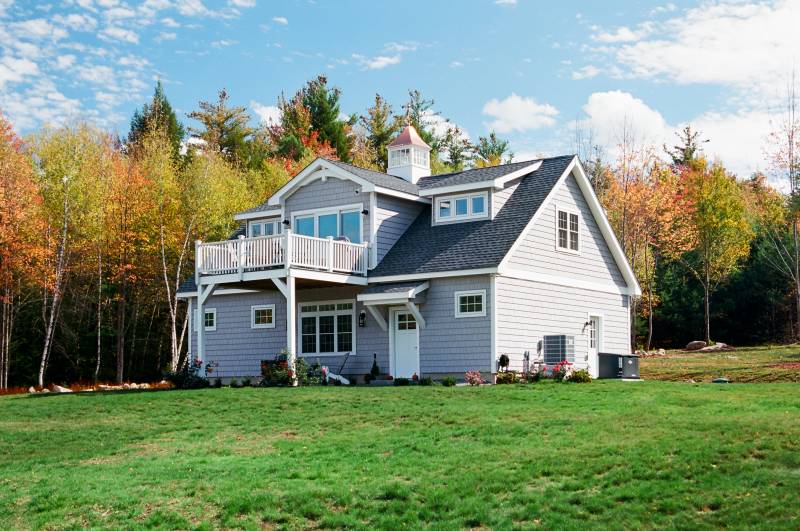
[378,316]
[464,293]
[569,211]
[281,285]
[438,274]
[237,291]
[469,216]
[392,323]
[280,273]
[593,365]
[599,216]
[318,314]
[569,282]
[307,175]
[417,315]
[410,293]
[244,216]
[493,324]
[497,183]
[402,195]
[205,311]
[316,213]
[255,308]
[330,277]
[277,228]
[373,230]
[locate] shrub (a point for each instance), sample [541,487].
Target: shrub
[508,377]
[562,370]
[246,382]
[375,371]
[473,378]
[235,383]
[402,382]
[276,372]
[537,374]
[217,383]
[368,378]
[188,377]
[448,381]
[580,376]
[426,381]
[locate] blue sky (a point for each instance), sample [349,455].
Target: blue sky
[527,69]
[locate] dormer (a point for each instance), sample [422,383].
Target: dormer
[409,156]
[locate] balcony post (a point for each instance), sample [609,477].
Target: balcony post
[198,262]
[240,256]
[291,326]
[365,259]
[287,249]
[330,253]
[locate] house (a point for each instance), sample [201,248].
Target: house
[431,275]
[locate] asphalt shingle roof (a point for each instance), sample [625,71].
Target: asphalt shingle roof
[377,178]
[392,287]
[475,175]
[424,248]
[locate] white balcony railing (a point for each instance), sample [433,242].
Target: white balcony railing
[284,250]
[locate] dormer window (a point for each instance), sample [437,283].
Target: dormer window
[462,207]
[567,231]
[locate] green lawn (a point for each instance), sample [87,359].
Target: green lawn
[753,364]
[640,454]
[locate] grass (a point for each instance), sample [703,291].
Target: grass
[743,365]
[605,454]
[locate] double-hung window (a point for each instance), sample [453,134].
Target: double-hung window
[327,328]
[262,316]
[344,222]
[264,228]
[567,231]
[470,303]
[462,207]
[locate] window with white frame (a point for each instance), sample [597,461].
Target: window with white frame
[342,222]
[262,316]
[461,207]
[327,328]
[209,318]
[264,228]
[399,157]
[470,303]
[568,233]
[421,158]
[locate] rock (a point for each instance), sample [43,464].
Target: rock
[45,390]
[103,387]
[722,380]
[126,386]
[133,386]
[59,389]
[32,390]
[144,386]
[696,345]
[716,347]
[661,352]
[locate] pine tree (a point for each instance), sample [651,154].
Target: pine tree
[157,114]
[688,149]
[381,127]
[322,103]
[489,151]
[225,128]
[420,114]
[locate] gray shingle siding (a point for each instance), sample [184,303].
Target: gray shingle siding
[528,310]
[538,251]
[393,218]
[450,345]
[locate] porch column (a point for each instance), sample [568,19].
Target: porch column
[291,324]
[203,293]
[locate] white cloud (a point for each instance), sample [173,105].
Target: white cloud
[170,22]
[76,21]
[625,34]
[440,126]
[14,70]
[506,2]
[135,62]
[242,3]
[192,8]
[614,113]
[377,63]
[166,36]
[586,72]
[38,28]
[456,64]
[516,113]
[65,61]
[40,103]
[116,33]
[267,113]
[399,47]
[223,43]
[283,21]
[97,74]
[119,13]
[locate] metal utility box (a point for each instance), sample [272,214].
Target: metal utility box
[618,366]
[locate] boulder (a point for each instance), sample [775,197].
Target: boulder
[661,352]
[144,386]
[32,390]
[59,389]
[696,345]
[716,347]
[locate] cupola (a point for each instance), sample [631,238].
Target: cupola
[409,156]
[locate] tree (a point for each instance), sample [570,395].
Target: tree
[225,128]
[381,126]
[322,103]
[157,114]
[294,137]
[489,151]
[456,148]
[711,235]
[419,113]
[688,149]
[21,228]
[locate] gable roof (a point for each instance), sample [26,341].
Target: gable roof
[384,180]
[475,175]
[425,248]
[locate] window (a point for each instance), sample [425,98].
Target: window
[406,321]
[470,303]
[209,319]
[341,222]
[558,348]
[567,231]
[264,228]
[262,316]
[327,327]
[468,206]
[400,157]
[421,157]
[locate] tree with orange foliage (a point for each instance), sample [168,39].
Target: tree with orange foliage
[21,248]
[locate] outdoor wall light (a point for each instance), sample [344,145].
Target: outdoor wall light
[365,212]
[286,222]
[362,319]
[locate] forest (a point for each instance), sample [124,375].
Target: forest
[97,231]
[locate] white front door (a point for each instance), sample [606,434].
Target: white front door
[594,345]
[406,344]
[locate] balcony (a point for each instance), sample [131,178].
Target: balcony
[285,251]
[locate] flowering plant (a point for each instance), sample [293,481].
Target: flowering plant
[473,378]
[562,370]
[538,372]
